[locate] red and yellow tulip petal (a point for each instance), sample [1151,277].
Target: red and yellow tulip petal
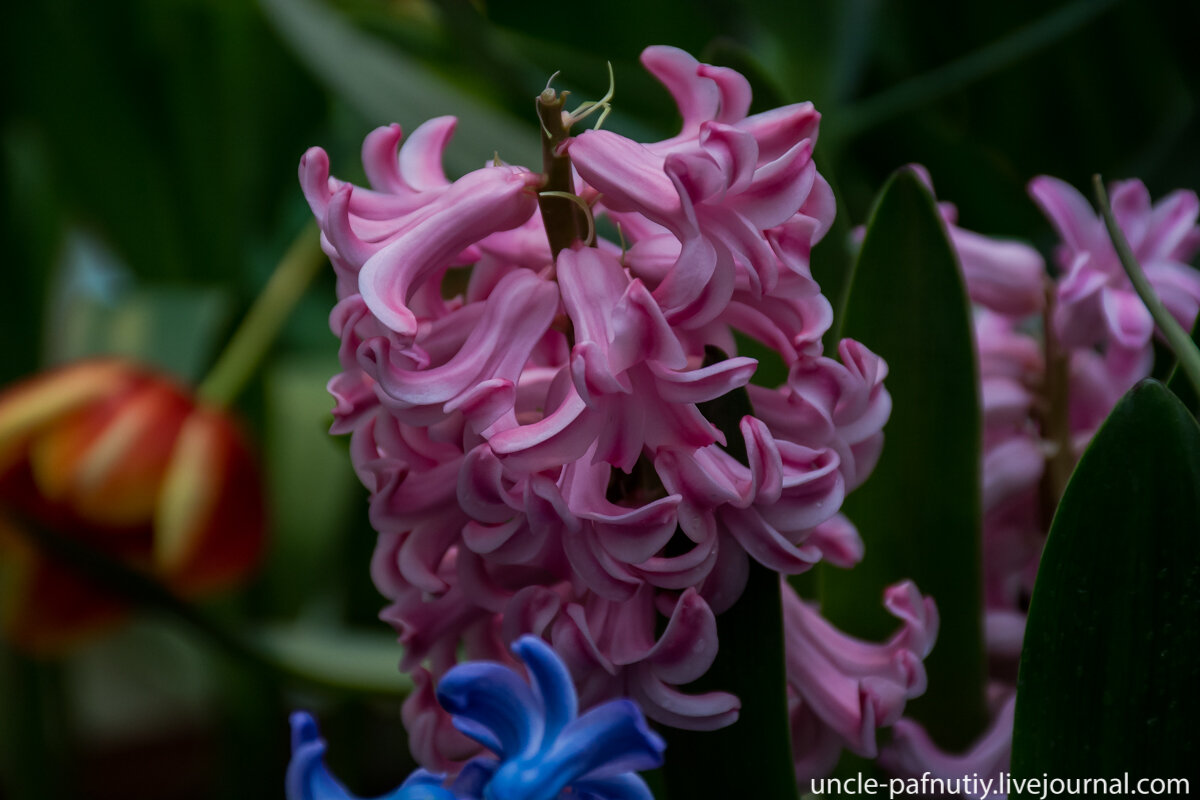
[210,519]
[29,407]
[107,461]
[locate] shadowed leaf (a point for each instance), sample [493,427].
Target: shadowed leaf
[1111,659]
[919,513]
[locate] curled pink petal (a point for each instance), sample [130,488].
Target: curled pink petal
[913,753]
[476,205]
[850,685]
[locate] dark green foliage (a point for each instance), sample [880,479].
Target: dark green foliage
[756,749]
[1112,651]
[919,511]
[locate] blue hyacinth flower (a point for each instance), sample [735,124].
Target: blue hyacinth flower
[543,746]
[308,779]
[544,750]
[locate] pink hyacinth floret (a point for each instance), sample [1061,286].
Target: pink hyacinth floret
[1095,302]
[840,688]
[532,426]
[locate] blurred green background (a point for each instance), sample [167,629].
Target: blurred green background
[148,153]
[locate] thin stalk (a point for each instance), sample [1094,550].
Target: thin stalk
[254,337]
[1178,339]
[564,221]
[1054,413]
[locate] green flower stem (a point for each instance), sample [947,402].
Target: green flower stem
[266,317]
[1178,339]
[564,220]
[302,659]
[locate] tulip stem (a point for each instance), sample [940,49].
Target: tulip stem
[298,659]
[1179,340]
[254,337]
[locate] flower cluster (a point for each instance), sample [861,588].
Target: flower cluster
[1045,394]
[543,749]
[532,425]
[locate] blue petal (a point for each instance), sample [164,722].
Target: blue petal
[308,779]
[494,706]
[609,739]
[474,777]
[424,785]
[551,683]
[618,787]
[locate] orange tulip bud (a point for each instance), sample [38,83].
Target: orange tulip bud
[125,461]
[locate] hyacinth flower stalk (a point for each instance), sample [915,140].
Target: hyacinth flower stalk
[1044,395]
[534,444]
[543,749]
[119,485]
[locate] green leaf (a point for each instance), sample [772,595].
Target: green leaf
[1178,381]
[753,756]
[755,751]
[334,657]
[1111,661]
[919,513]
[385,85]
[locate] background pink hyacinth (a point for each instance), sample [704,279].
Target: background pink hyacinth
[533,433]
[1049,376]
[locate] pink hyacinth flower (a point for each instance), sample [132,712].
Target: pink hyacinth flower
[1095,301]
[532,427]
[715,189]
[912,753]
[843,689]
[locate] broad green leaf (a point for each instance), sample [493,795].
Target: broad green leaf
[385,85]
[919,512]
[1178,381]
[753,756]
[755,752]
[1111,660]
